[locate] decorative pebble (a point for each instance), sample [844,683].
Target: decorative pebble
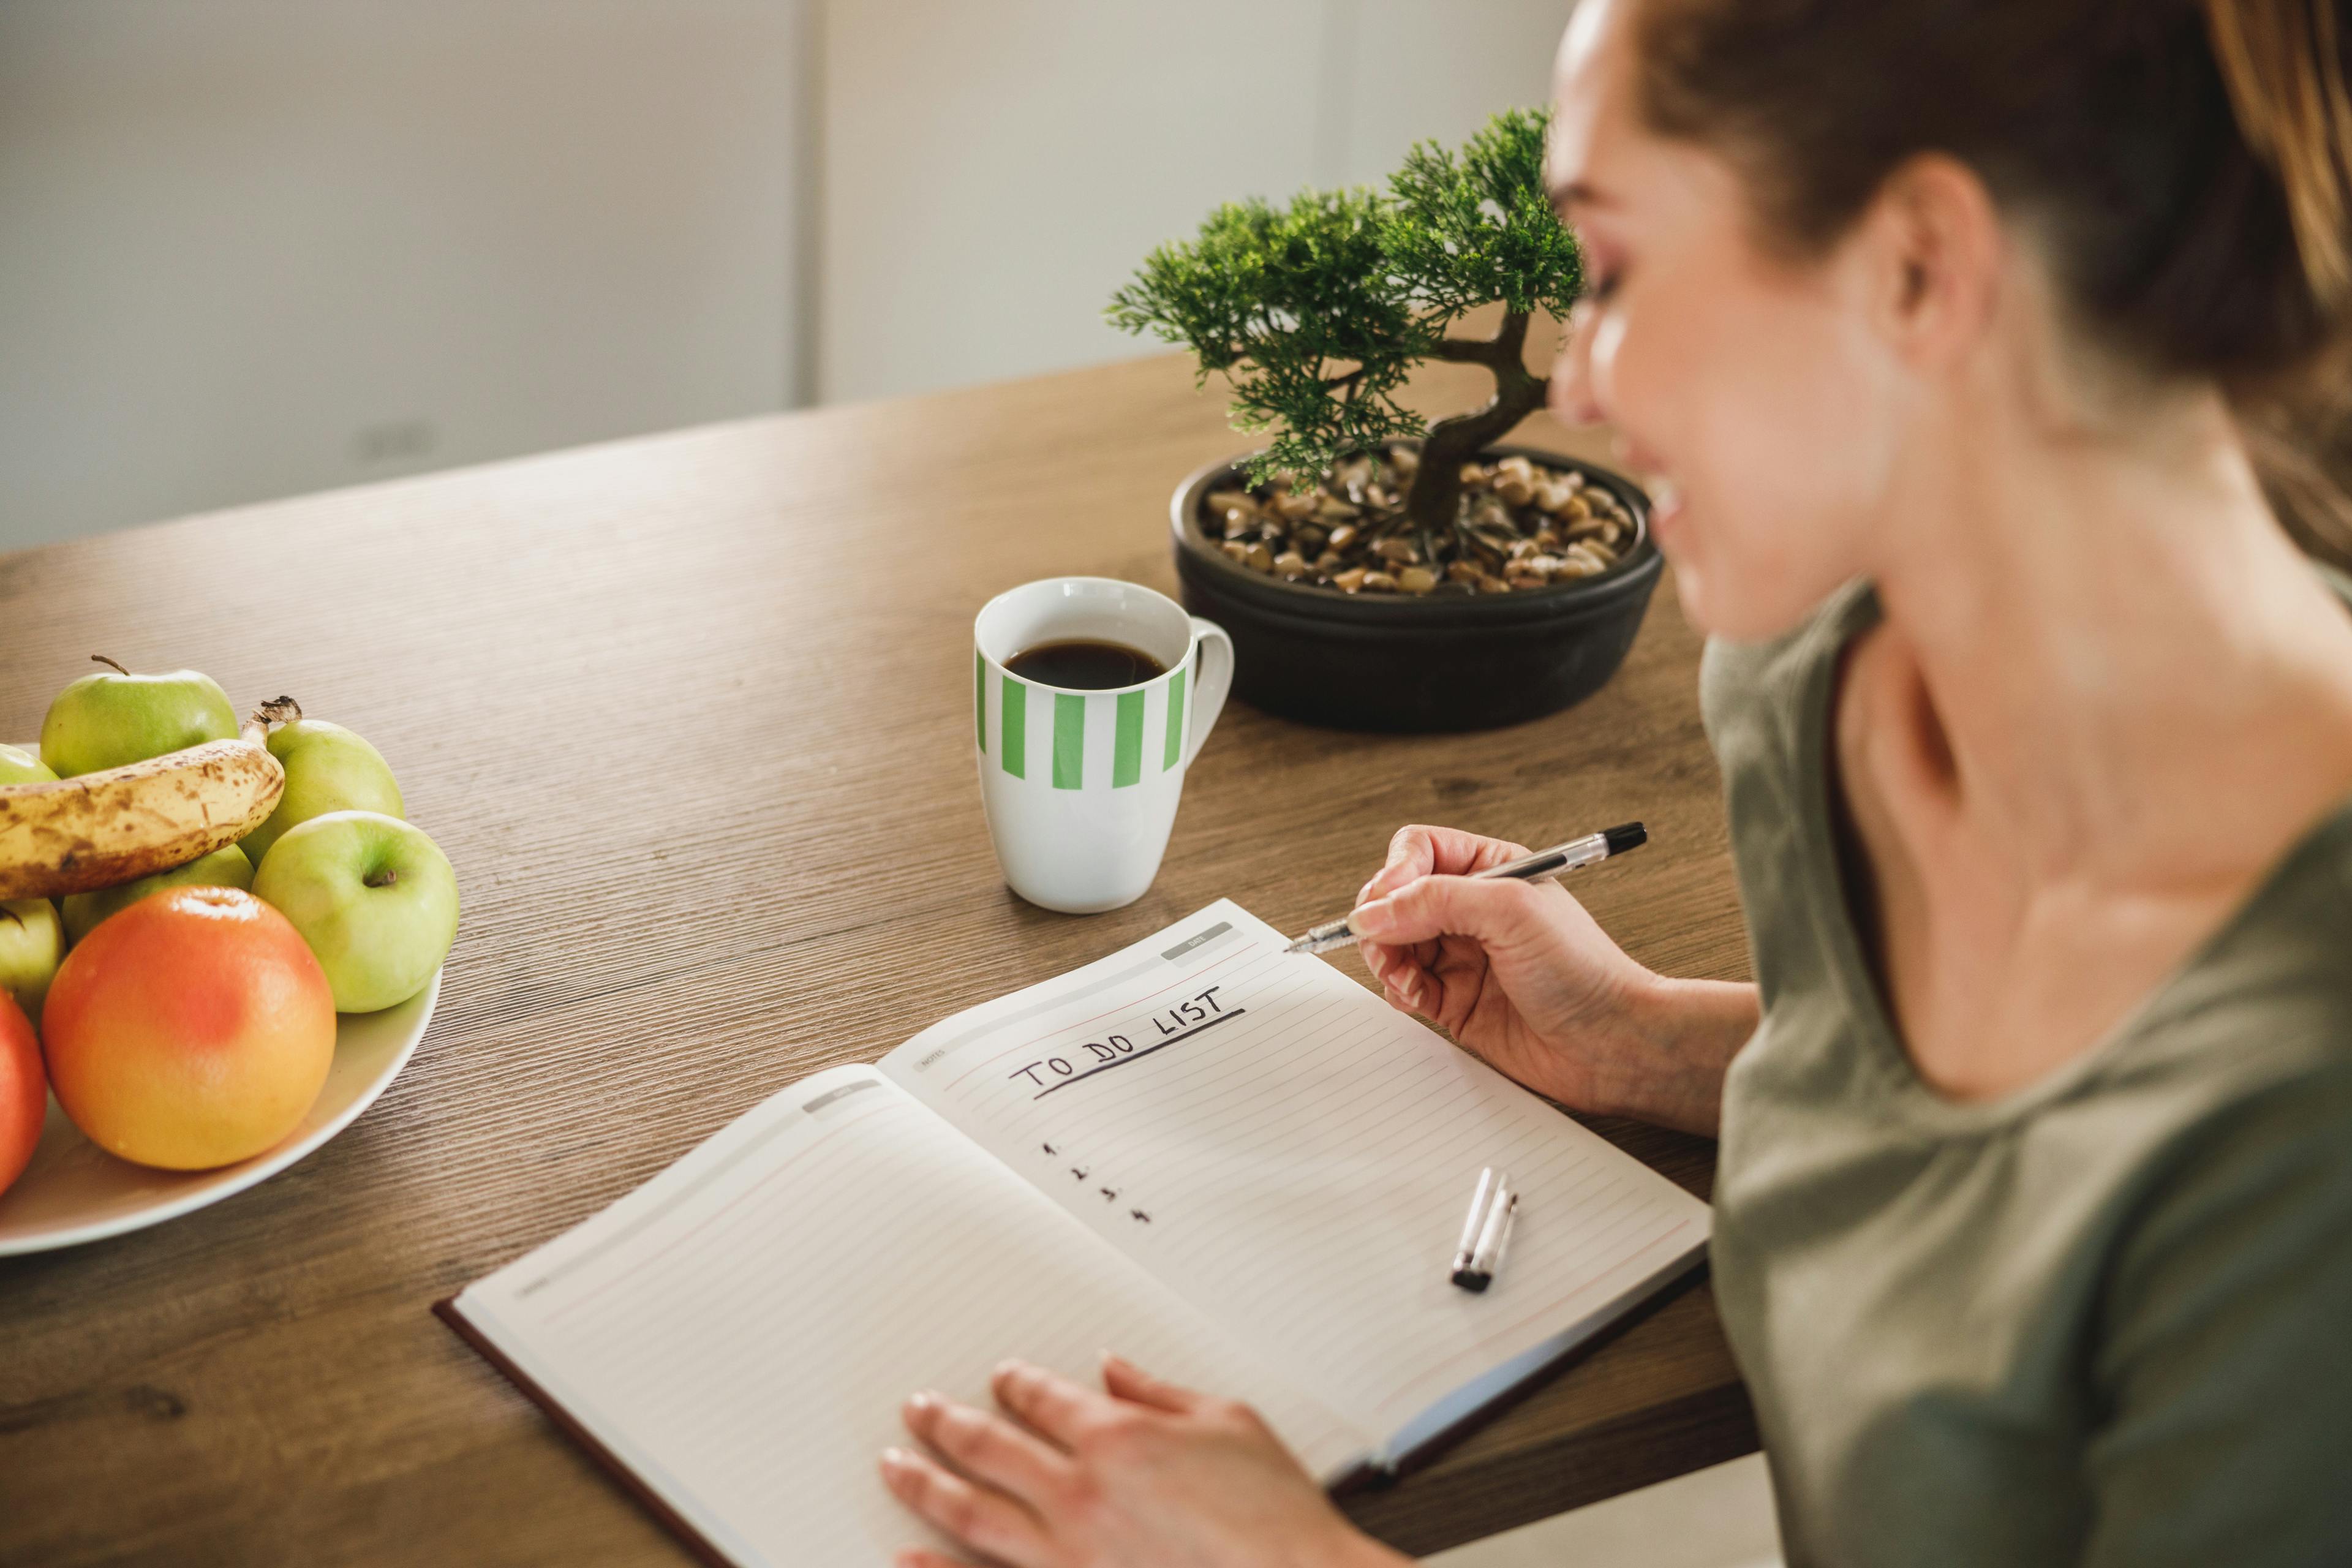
[1521,526]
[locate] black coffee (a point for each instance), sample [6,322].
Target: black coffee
[1081,665]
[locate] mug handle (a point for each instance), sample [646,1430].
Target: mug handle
[1216,679]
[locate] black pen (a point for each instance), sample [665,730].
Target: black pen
[1552,862]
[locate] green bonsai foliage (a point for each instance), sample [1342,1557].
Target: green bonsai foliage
[1317,312]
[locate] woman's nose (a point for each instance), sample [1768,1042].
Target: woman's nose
[1570,394]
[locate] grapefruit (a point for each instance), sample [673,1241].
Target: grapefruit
[191,1030]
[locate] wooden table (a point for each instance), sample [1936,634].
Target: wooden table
[692,716]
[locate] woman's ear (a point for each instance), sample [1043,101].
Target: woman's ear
[1932,246]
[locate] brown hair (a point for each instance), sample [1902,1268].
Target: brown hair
[2188,160]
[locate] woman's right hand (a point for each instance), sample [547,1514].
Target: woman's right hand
[1520,975]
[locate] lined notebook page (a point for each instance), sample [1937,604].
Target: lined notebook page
[740,1330]
[1294,1157]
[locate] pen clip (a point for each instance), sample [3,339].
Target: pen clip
[1488,1255]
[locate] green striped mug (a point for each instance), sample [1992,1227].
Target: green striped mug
[1081,787]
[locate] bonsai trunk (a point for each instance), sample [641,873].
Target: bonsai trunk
[1437,494]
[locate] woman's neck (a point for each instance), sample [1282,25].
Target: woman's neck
[2116,640]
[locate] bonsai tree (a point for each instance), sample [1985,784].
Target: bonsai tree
[1317,312]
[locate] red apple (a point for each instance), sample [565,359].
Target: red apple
[24,1091]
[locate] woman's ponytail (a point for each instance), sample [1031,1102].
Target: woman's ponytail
[2281,62]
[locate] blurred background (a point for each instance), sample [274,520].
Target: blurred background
[255,247]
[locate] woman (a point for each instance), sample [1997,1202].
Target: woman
[1946,325]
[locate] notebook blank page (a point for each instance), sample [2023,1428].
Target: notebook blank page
[741,1329]
[1295,1158]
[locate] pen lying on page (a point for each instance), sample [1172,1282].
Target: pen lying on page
[1551,862]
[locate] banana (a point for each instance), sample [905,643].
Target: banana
[81,833]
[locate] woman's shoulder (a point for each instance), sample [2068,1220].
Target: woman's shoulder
[2262,1013]
[1752,694]
[2241,1068]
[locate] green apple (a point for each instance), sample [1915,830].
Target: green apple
[32,945]
[114,717]
[226,867]
[19,765]
[327,768]
[375,899]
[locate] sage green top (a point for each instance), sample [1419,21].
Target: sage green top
[2105,1321]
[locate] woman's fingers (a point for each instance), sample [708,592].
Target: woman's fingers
[923,1557]
[987,1520]
[1411,855]
[1419,850]
[1125,1380]
[1491,910]
[1405,986]
[1416,853]
[1046,1401]
[1413,852]
[987,1447]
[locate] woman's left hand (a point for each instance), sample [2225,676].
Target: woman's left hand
[1142,1474]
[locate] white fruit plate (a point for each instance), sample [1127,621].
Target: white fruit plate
[75,1192]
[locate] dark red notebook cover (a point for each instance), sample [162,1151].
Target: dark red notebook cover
[449,1312]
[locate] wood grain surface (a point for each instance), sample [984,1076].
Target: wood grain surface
[692,716]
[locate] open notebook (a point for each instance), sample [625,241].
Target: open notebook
[1236,1166]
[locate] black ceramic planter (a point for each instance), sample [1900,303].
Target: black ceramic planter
[1400,663]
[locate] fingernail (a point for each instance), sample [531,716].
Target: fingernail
[924,1401]
[895,1459]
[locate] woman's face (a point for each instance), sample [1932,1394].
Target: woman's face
[1750,389]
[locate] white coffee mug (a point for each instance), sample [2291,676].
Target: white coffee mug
[1081,786]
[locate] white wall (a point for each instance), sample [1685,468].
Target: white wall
[249,247]
[992,172]
[252,247]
